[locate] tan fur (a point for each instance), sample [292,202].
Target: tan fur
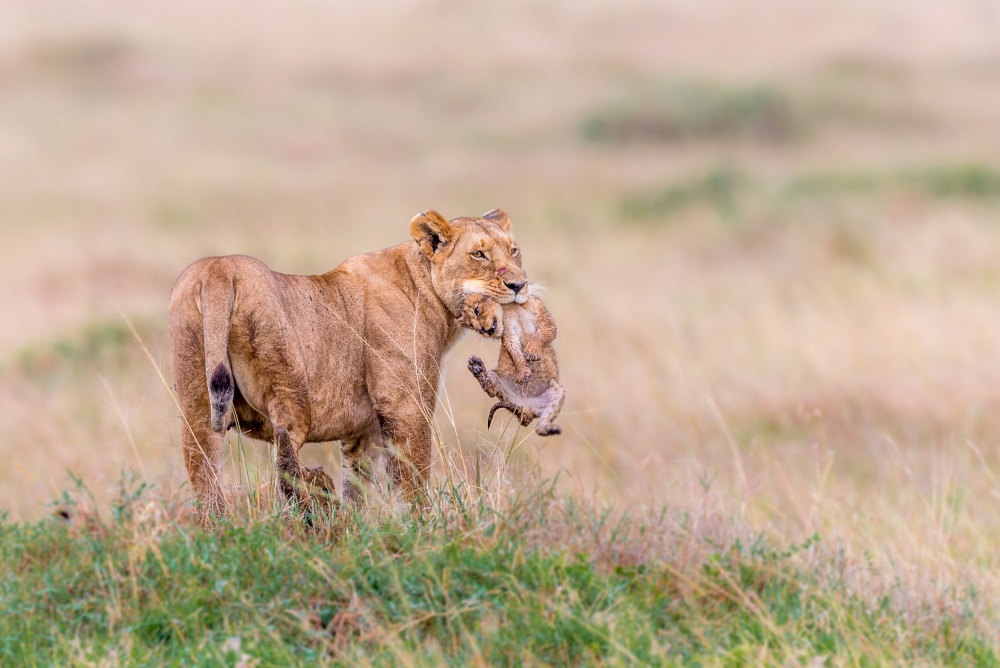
[353,355]
[526,379]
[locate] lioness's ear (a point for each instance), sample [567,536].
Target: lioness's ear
[498,216]
[431,231]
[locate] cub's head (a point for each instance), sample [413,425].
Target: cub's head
[471,255]
[481,314]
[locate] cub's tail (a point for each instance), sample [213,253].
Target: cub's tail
[513,408]
[216,312]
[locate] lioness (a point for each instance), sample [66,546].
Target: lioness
[526,379]
[353,355]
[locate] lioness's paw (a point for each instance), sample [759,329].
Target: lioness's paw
[476,366]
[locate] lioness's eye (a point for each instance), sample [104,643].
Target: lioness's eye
[476,310]
[479,255]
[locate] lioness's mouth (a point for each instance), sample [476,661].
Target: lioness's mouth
[499,293]
[514,297]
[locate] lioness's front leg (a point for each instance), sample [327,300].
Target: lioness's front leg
[407,434]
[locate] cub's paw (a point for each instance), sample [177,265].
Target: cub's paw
[522,376]
[476,366]
[532,353]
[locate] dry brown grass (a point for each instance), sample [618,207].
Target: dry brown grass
[830,363]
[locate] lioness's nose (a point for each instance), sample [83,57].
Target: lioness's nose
[516,287]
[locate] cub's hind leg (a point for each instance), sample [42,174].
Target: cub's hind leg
[556,395]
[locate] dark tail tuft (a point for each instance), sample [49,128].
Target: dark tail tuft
[220,389]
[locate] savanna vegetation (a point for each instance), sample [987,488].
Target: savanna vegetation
[768,235]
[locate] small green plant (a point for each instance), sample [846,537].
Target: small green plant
[835,182]
[695,110]
[957,179]
[718,188]
[963,179]
[725,188]
[97,341]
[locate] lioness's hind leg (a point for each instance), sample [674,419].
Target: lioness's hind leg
[202,448]
[288,462]
[203,460]
[290,429]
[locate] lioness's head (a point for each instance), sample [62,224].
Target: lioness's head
[471,255]
[481,314]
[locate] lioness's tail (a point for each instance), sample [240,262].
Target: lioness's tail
[216,311]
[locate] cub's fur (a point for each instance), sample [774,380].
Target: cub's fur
[526,379]
[352,355]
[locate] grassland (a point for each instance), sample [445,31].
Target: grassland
[768,235]
[519,577]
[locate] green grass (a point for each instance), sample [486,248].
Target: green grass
[94,345]
[694,110]
[964,179]
[535,579]
[726,188]
[719,187]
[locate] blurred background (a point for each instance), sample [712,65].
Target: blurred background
[768,231]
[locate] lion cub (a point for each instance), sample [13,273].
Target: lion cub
[526,379]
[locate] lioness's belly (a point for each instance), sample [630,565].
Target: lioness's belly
[339,409]
[341,421]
